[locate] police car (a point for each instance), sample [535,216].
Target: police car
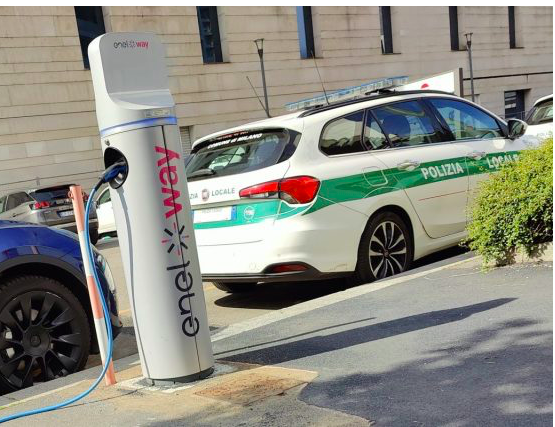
[359,188]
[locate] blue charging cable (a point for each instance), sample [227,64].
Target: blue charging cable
[108,175]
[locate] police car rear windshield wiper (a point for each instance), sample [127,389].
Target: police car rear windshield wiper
[201,173]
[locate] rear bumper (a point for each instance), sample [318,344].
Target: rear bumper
[327,246]
[310,273]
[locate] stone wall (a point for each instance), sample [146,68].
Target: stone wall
[48,130]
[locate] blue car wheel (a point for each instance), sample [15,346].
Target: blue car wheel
[44,332]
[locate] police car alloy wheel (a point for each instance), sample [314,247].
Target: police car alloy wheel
[385,248]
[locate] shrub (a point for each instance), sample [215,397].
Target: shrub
[513,209]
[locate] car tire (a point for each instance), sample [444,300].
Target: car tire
[235,288]
[385,248]
[44,332]
[93,234]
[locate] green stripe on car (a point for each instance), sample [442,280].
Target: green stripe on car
[362,186]
[252,213]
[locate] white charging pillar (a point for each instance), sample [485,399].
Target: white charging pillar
[136,117]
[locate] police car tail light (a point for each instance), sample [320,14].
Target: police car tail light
[265,190]
[296,190]
[300,189]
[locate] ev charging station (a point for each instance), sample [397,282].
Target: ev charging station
[136,118]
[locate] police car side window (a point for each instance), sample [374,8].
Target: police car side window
[3,204]
[466,121]
[407,124]
[374,138]
[343,135]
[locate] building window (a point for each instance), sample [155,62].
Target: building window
[90,24]
[514,104]
[385,29]
[306,32]
[209,34]
[454,27]
[513,42]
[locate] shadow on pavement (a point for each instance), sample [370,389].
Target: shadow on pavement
[497,376]
[339,340]
[274,296]
[439,256]
[298,335]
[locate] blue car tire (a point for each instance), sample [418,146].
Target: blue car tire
[44,332]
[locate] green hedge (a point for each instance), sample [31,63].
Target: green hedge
[513,209]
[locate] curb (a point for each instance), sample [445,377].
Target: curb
[541,253]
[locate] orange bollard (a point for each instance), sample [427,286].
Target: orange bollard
[76,195]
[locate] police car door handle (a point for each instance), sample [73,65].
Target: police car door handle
[408,165]
[476,155]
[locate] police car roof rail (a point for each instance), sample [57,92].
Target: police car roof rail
[379,94]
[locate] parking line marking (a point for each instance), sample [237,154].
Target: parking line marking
[38,396]
[307,306]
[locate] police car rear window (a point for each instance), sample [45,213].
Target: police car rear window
[241,152]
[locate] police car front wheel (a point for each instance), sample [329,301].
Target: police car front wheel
[385,248]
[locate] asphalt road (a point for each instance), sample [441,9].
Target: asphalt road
[225,309]
[457,347]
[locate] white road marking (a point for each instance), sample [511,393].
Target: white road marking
[285,313]
[38,396]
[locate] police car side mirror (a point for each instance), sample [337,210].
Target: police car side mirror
[516,128]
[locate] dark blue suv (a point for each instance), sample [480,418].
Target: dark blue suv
[46,323]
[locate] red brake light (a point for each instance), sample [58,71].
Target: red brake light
[265,190]
[299,189]
[41,205]
[288,268]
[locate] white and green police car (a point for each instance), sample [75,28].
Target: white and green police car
[362,187]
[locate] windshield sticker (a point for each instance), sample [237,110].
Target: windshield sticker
[237,139]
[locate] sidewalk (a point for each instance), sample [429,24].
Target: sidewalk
[449,346]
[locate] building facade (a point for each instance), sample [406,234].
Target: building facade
[48,129]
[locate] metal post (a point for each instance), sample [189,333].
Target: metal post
[76,195]
[260,47]
[469,48]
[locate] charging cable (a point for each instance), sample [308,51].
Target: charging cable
[109,174]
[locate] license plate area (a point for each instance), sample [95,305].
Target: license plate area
[64,214]
[227,213]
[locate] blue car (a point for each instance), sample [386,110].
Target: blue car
[46,323]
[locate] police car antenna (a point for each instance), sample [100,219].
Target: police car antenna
[320,77]
[255,94]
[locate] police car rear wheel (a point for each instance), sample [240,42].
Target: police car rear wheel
[235,288]
[385,248]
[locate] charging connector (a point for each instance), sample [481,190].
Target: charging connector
[114,174]
[113,158]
